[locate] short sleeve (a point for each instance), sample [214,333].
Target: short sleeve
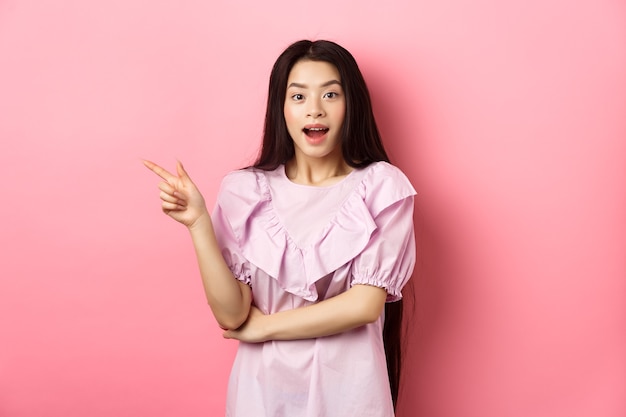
[389,257]
[228,243]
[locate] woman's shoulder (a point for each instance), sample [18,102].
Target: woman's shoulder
[386,182]
[240,175]
[383,185]
[243,183]
[385,171]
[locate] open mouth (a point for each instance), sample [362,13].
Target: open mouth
[315,132]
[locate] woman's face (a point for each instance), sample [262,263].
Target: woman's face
[314,110]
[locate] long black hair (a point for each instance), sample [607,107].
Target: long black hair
[361,145]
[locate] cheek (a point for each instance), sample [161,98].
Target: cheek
[341,111]
[341,115]
[287,113]
[290,117]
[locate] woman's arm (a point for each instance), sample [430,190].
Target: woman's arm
[228,298]
[360,305]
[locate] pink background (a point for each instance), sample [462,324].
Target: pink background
[509,118]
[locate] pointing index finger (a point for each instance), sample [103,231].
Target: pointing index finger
[159,171]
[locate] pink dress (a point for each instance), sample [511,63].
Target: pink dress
[296,245]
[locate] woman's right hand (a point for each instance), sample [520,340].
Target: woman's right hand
[180,197]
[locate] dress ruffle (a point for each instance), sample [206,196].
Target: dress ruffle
[246,201]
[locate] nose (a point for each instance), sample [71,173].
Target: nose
[316,109]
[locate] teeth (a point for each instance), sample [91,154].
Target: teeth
[317,129]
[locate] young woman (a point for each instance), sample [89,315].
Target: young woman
[306,253]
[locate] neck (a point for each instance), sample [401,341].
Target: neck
[306,171]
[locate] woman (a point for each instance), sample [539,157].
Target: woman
[318,235]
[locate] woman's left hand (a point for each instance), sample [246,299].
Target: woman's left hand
[252,331]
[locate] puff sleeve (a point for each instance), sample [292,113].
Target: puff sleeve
[231,252]
[388,259]
[227,239]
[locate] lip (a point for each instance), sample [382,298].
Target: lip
[315,141]
[315,126]
[318,138]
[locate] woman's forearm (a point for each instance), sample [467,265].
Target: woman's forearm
[182,201]
[228,298]
[360,305]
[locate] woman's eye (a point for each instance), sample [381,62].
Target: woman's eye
[330,94]
[297,97]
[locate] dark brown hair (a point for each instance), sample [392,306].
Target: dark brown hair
[360,144]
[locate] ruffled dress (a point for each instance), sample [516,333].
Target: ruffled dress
[296,245]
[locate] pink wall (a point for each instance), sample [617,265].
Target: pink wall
[509,117]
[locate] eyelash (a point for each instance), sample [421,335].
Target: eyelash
[330,95]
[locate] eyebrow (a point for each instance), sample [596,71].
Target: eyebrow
[326,84]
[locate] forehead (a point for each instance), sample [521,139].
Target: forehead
[313,73]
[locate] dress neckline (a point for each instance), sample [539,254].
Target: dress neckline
[283,176]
